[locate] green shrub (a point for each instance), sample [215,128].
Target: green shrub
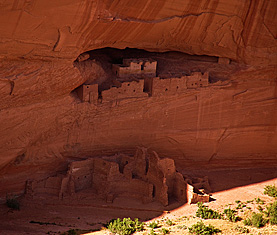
[13,203]
[259,201]
[272,213]
[257,220]
[205,212]
[247,222]
[164,231]
[241,229]
[153,225]
[126,226]
[152,232]
[231,215]
[271,190]
[201,229]
[169,222]
[240,206]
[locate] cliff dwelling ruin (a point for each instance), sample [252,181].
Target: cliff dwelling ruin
[141,109]
[138,68]
[144,176]
[136,78]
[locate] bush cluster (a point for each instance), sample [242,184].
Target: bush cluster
[231,215]
[272,213]
[153,225]
[125,226]
[205,212]
[242,229]
[257,220]
[201,229]
[164,231]
[271,190]
[169,222]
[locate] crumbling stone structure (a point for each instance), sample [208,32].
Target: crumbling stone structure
[195,196]
[171,86]
[132,69]
[144,176]
[155,87]
[127,90]
[199,189]
[138,68]
[197,80]
[88,93]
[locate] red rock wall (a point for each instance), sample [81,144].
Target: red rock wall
[240,30]
[41,125]
[219,125]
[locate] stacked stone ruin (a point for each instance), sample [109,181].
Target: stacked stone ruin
[145,85]
[144,176]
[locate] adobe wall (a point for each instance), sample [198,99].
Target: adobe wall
[124,72]
[145,177]
[156,177]
[135,68]
[150,67]
[172,183]
[88,93]
[180,191]
[134,188]
[153,86]
[133,64]
[80,174]
[197,80]
[127,90]
[50,186]
[170,86]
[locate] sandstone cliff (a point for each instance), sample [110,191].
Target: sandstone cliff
[43,125]
[241,30]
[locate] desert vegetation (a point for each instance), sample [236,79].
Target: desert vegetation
[256,216]
[125,226]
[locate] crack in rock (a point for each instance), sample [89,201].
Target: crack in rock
[128,19]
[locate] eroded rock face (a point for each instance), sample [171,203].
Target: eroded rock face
[43,124]
[240,30]
[229,123]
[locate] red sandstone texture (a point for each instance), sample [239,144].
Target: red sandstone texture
[232,122]
[240,30]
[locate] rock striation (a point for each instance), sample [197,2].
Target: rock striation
[45,54]
[244,31]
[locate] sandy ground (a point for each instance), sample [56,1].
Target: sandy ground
[49,216]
